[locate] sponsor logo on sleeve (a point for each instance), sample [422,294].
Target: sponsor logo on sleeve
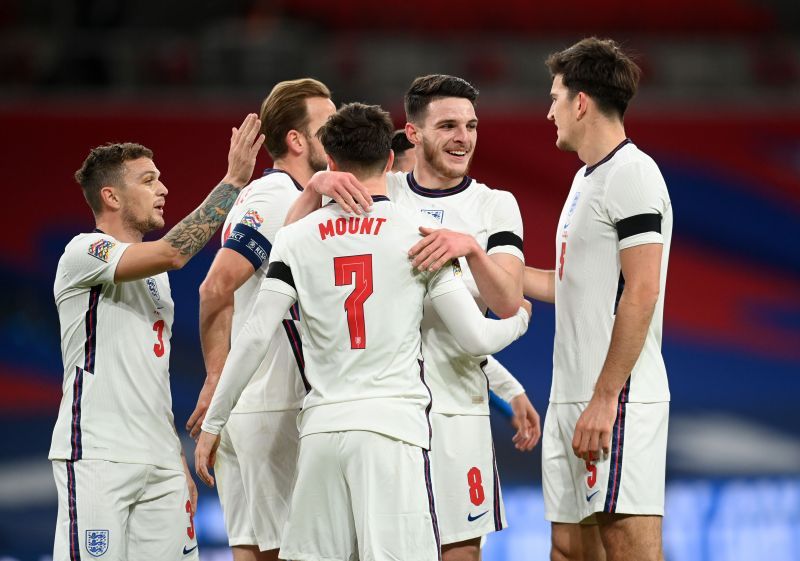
[188,550]
[101,249]
[97,542]
[437,214]
[456,267]
[253,219]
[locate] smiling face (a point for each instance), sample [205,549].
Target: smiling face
[143,196]
[563,112]
[447,134]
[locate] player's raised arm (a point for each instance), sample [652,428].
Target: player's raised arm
[497,270]
[342,187]
[539,284]
[174,250]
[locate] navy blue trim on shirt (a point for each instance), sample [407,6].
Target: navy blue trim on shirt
[379,198]
[638,224]
[250,244]
[281,271]
[425,192]
[270,171]
[590,169]
[504,238]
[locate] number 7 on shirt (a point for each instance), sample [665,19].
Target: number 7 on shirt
[356,270]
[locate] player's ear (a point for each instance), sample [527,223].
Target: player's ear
[582,101]
[413,134]
[294,142]
[389,163]
[110,197]
[331,164]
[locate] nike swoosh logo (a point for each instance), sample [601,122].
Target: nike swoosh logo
[187,551]
[471,518]
[589,497]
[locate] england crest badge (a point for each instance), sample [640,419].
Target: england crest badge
[436,213]
[97,542]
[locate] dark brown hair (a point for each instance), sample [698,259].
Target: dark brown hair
[105,166]
[426,89]
[400,142]
[284,109]
[358,137]
[600,69]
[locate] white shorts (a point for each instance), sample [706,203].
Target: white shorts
[122,512]
[465,480]
[254,470]
[629,481]
[361,495]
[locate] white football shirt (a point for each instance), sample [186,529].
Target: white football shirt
[115,345]
[620,202]
[250,229]
[492,217]
[361,305]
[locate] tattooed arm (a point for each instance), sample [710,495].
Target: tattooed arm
[174,250]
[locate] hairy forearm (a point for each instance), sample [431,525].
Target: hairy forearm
[194,231]
[308,201]
[501,290]
[634,312]
[539,284]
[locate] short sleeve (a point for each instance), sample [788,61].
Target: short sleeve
[636,201]
[258,219]
[92,259]
[505,226]
[447,279]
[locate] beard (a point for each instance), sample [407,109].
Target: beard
[142,226]
[435,159]
[316,159]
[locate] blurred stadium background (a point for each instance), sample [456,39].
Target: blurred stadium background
[719,109]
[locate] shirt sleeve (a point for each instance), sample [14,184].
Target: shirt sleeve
[636,200]
[279,276]
[476,334]
[501,381]
[247,353]
[92,259]
[253,234]
[505,226]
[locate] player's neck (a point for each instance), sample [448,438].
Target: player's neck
[298,168]
[376,185]
[429,178]
[117,229]
[600,140]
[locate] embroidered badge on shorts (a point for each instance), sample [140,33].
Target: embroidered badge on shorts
[101,249]
[253,219]
[97,542]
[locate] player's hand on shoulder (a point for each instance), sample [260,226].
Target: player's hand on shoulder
[344,188]
[438,246]
[245,144]
[205,455]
